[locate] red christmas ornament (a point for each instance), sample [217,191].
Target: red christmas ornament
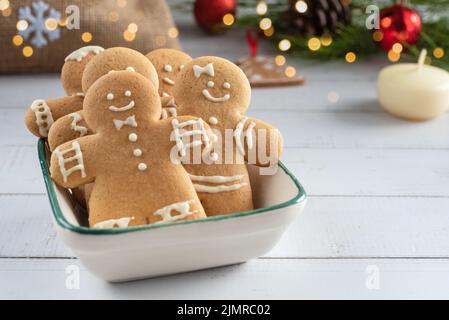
[209,14]
[399,23]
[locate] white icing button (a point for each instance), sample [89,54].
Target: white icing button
[213,120]
[110,96]
[132,137]
[137,152]
[210,84]
[142,166]
[226,85]
[168,68]
[130,69]
[128,93]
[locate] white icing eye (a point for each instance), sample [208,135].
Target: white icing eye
[128,93]
[110,96]
[226,85]
[168,68]
[210,84]
[181,67]
[130,69]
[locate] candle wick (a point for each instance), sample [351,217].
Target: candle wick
[422,58]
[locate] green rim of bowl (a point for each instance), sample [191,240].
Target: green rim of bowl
[63,223]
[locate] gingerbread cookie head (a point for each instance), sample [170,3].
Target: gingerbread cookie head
[117,99]
[118,59]
[210,86]
[168,63]
[74,66]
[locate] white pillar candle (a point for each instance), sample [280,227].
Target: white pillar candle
[414,91]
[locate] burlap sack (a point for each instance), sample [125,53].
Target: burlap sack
[107,23]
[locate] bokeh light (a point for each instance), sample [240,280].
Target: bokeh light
[261,8]
[27,51]
[290,72]
[314,44]
[279,60]
[86,37]
[228,19]
[284,45]
[438,53]
[301,6]
[350,57]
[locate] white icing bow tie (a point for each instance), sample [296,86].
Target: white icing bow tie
[130,121]
[208,69]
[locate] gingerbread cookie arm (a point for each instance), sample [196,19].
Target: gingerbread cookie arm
[41,115]
[258,142]
[67,128]
[70,166]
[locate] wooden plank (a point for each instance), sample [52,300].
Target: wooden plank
[348,130]
[282,279]
[19,91]
[330,227]
[372,172]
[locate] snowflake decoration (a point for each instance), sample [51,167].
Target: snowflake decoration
[37,29]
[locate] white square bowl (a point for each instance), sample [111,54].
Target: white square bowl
[154,250]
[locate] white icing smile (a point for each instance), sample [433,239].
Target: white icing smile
[129,106]
[169,81]
[210,97]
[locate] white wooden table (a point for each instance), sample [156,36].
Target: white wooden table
[376,225]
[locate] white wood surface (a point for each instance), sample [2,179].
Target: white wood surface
[378,196]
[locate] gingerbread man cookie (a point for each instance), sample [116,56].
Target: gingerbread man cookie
[43,113]
[73,125]
[217,91]
[168,63]
[136,180]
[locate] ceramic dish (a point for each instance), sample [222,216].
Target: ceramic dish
[154,250]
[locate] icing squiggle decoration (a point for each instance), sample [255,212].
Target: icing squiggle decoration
[215,179]
[44,118]
[114,223]
[217,189]
[129,106]
[182,147]
[182,207]
[208,69]
[238,134]
[79,94]
[78,157]
[130,121]
[169,81]
[74,125]
[169,110]
[169,113]
[211,98]
[81,53]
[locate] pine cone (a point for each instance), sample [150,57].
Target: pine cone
[321,16]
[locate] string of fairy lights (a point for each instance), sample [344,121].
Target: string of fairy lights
[129,34]
[316,43]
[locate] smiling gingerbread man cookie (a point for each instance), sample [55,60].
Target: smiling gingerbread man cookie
[73,125]
[217,91]
[43,113]
[168,63]
[129,157]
